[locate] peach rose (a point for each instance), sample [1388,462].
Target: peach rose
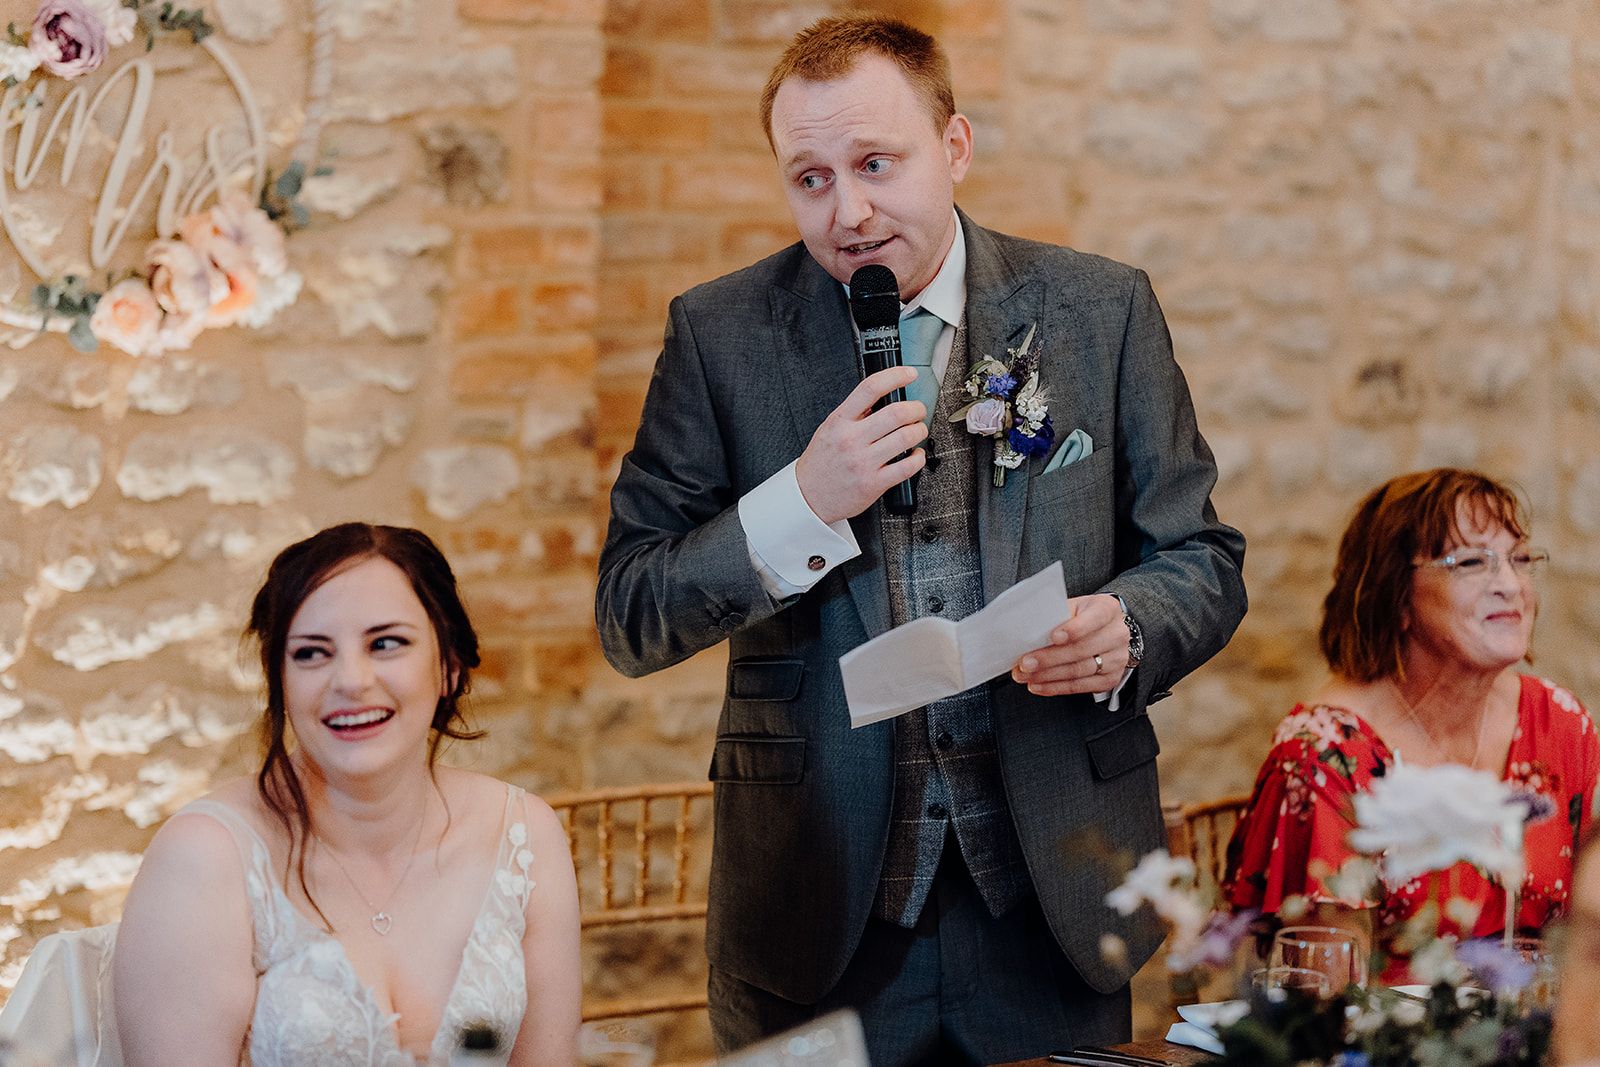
[128,317]
[184,281]
[237,220]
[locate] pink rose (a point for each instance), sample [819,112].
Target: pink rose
[68,38]
[235,219]
[987,417]
[230,261]
[128,317]
[184,281]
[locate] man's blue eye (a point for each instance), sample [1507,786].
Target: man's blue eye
[811,181]
[876,166]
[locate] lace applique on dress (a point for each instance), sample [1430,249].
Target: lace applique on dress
[313,1009]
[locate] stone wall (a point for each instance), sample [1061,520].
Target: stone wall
[1373,226]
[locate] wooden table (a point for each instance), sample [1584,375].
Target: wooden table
[1181,1055]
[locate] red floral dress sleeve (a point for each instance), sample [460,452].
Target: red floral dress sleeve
[1291,838]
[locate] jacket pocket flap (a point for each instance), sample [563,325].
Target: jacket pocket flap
[767,760]
[763,678]
[1123,747]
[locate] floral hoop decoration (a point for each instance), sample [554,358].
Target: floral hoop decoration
[225,265]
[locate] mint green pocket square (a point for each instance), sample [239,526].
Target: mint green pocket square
[1078,445]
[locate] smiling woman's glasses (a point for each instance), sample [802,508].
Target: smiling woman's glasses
[1478,564]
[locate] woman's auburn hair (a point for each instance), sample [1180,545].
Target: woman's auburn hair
[296,573]
[1406,519]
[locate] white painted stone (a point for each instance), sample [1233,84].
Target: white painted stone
[53,464]
[1051,124]
[389,83]
[55,808]
[13,632]
[1448,444]
[248,539]
[101,553]
[1293,466]
[347,192]
[91,638]
[133,723]
[545,418]
[9,377]
[394,292]
[1303,337]
[352,451]
[1234,454]
[250,21]
[1289,21]
[174,385]
[160,788]
[1156,71]
[26,739]
[1132,16]
[1491,371]
[1044,57]
[1358,80]
[1393,272]
[337,375]
[1359,460]
[77,384]
[355,20]
[458,480]
[1254,234]
[1532,64]
[1154,141]
[232,466]
[1583,498]
[93,871]
[1255,391]
[1272,84]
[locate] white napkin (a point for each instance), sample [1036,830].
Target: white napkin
[1195,1037]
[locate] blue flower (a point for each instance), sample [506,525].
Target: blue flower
[1500,969]
[1349,1058]
[1034,444]
[1000,385]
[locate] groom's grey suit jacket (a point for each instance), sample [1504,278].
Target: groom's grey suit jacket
[752,364]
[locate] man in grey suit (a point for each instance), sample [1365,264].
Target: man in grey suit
[943,873]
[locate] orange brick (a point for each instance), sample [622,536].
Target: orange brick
[746,242]
[625,294]
[566,124]
[486,311]
[563,666]
[651,127]
[511,248]
[566,184]
[564,305]
[628,185]
[721,182]
[769,21]
[967,20]
[648,238]
[716,70]
[627,73]
[976,70]
[564,365]
[563,60]
[585,12]
[659,19]
[560,480]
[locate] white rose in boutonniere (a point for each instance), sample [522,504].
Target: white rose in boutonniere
[1009,406]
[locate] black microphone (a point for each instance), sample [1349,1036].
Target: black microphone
[875,305]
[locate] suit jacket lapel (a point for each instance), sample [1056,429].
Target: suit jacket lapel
[817,353]
[1000,308]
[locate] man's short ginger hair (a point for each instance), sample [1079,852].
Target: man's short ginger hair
[1408,518]
[830,47]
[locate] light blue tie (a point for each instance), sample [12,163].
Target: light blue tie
[919,332]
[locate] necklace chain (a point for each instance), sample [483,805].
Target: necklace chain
[381,920]
[1439,750]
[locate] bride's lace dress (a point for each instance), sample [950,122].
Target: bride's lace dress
[312,1008]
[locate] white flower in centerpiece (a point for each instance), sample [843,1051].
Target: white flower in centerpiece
[119,20]
[1421,819]
[1168,886]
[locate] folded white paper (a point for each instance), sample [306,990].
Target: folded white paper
[929,659]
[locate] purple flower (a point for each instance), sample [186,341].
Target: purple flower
[987,417]
[68,38]
[1540,807]
[1217,943]
[1497,968]
[1029,445]
[1000,385]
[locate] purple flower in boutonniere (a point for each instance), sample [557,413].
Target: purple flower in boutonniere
[1008,405]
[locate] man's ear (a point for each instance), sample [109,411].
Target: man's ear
[958,146]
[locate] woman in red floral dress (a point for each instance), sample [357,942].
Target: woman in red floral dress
[1431,609]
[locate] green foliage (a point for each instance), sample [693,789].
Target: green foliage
[67,299]
[280,196]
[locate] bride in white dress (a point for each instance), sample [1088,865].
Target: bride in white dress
[354,903]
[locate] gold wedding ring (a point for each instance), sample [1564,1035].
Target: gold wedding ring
[1099,665]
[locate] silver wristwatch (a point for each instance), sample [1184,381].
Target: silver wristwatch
[1135,638]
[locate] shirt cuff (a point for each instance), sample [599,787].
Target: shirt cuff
[1115,695]
[790,548]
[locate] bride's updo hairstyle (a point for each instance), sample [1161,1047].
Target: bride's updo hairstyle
[295,574]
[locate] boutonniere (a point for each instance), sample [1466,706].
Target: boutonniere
[1008,405]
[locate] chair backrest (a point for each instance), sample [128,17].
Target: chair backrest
[60,1011]
[640,853]
[1201,831]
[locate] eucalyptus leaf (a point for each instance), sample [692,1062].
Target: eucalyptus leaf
[82,337]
